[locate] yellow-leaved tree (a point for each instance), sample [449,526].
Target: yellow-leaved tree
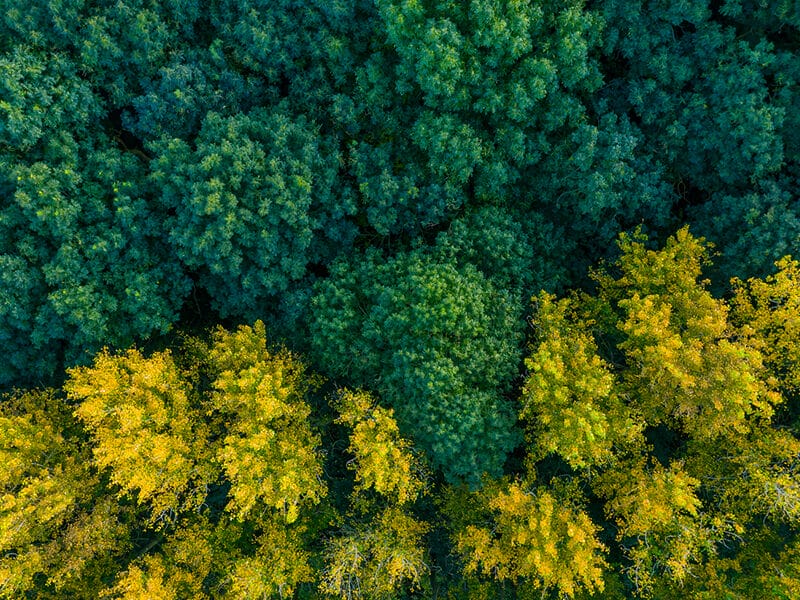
[661,400]
[767,311]
[58,528]
[145,430]
[232,463]
[380,549]
[571,398]
[270,457]
[537,537]
[269,453]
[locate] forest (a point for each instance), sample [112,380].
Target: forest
[400,299]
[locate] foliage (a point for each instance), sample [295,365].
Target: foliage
[216,449]
[381,550]
[767,310]
[386,183]
[59,529]
[535,538]
[437,341]
[83,260]
[377,559]
[239,149]
[168,441]
[139,415]
[569,396]
[383,460]
[651,403]
[250,200]
[661,400]
[713,90]
[269,453]
[755,228]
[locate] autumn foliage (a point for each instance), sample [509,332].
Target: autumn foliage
[400,299]
[660,459]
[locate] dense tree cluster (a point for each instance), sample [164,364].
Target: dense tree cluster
[485,396]
[241,148]
[659,458]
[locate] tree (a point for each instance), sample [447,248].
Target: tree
[60,532]
[145,429]
[536,537]
[661,400]
[439,343]
[380,550]
[766,310]
[85,263]
[752,229]
[269,454]
[377,559]
[231,463]
[504,115]
[386,183]
[253,204]
[712,90]
[570,398]
[514,250]
[384,461]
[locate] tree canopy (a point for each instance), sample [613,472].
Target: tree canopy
[239,150]
[399,299]
[657,458]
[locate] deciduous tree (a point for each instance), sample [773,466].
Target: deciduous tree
[662,399]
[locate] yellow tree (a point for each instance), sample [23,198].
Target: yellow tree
[377,559]
[661,399]
[768,312]
[144,581]
[270,454]
[144,429]
[228,559]
[232,416]
[571,398]
[278,566]
[380,551]
[178,569]
[58,533]
[659,508]
[686,365]
[537,537]
[382,459]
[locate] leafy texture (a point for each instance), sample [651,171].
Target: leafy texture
[661,400]
[250,200]
[440,344]
[269,454]
[139,414]
[536,539]
[380,551]
[59,529]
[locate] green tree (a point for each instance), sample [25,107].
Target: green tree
[713,91]
[83,252]
[252,203]
[752,229]
[439,342]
